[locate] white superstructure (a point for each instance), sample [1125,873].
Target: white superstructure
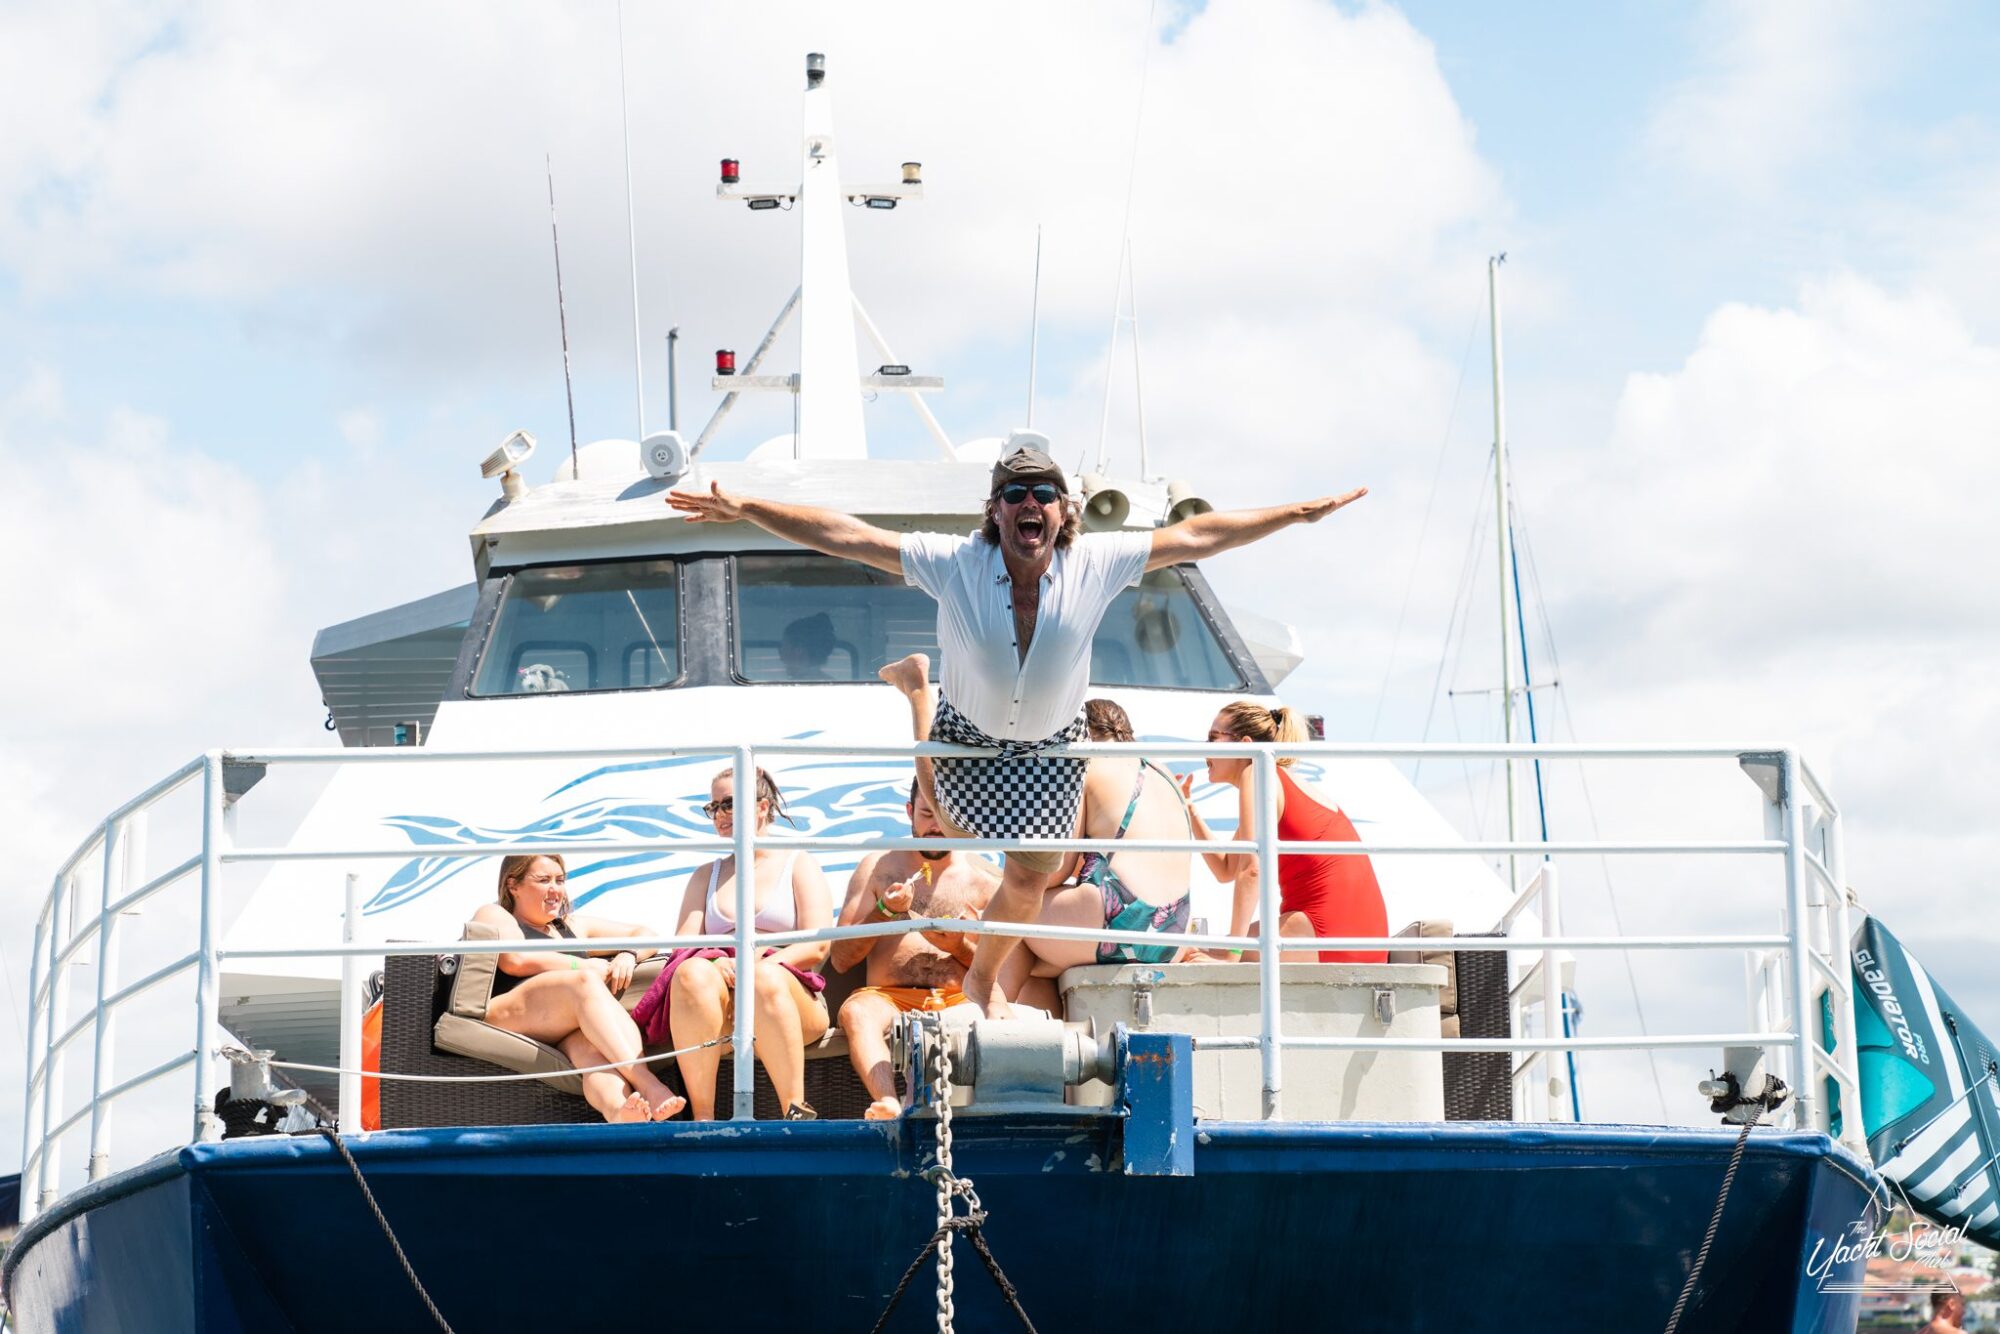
[603,619]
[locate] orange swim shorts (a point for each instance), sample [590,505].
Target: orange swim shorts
[910,999]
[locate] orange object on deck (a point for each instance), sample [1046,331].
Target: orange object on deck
[371,1059]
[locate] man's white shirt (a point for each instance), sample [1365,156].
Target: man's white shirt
[980,669]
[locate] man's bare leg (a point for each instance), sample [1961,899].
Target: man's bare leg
[1018,899]
[912,676]
[866,1019]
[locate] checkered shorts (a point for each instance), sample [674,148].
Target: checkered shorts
[1019,793]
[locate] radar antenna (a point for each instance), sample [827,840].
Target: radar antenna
[562,319]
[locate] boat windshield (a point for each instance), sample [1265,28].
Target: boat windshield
[803,618]
[584,627]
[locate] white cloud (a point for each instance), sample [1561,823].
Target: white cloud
[1777,88]
[1811,476]
[347,188]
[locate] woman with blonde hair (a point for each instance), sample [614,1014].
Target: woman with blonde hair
[569,999]
[694,996]
[1320,894]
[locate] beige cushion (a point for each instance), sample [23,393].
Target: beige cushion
[1433,928]
[472,984]
[510,1051]
[462,1029]
[472,987]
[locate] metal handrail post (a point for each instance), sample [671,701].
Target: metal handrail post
[743,1069]
[48,1169]
[102,1053]
[213,838]
[1807,1112]
[1269,958]
[1845,1037]
[29,1195]
[1552,1002]
[348,1111]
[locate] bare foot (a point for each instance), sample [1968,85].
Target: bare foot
[981,992]
[669,1107]
[910,674]
[885,1108]
[634,1108]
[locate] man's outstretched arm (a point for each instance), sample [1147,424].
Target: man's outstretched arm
[823,530]
[1210,534]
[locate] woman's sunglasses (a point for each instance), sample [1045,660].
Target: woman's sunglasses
[1045,493]
[714,808]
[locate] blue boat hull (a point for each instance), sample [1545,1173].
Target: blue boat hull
[1454,1227]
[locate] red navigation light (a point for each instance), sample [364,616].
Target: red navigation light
[729,172]
[725,362]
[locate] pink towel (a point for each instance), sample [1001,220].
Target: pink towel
[651,1013]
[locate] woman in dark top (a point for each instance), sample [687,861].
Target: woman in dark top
[569,999]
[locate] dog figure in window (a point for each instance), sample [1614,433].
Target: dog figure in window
[539,678]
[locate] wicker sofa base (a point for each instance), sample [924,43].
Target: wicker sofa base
[1478,1086]
[413,996]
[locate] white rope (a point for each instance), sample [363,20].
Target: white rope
[238,1056]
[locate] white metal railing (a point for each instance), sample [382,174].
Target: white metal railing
[1790,973]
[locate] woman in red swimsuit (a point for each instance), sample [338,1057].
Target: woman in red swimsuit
[1319,894]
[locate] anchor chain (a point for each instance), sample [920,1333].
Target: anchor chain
[952,1187]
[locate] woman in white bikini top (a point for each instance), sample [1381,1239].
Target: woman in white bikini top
[780,914]
[790,894]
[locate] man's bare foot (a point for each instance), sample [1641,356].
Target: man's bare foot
[910,674]
[885,1108]
[668,1107]
[634,1108]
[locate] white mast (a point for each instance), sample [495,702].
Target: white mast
[1504,529]
[631,241]
[830,424]
[827,409]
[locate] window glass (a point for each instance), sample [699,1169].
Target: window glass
[584,627]
[1154,635]
[813,618]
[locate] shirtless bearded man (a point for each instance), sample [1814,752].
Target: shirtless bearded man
[915,970]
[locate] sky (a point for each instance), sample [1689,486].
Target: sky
[273,283]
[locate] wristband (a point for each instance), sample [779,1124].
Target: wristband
[883,908]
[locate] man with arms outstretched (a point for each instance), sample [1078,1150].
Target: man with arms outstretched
[1018,604]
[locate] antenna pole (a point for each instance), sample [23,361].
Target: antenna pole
[673,388]
[1138,370]
[562,319]
[1506,539]
[1034,325]
[1111,353]
[631,231]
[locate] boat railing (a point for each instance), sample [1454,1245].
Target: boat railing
[1799,981]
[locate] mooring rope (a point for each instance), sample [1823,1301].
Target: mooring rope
[1714,1220]
[409,1271]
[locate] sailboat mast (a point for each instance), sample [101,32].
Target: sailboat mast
[1504,529]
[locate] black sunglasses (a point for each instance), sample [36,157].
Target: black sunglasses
[713,808]
[1045,493]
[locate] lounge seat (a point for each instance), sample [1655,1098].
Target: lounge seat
[1478,1085]
[432,1024]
